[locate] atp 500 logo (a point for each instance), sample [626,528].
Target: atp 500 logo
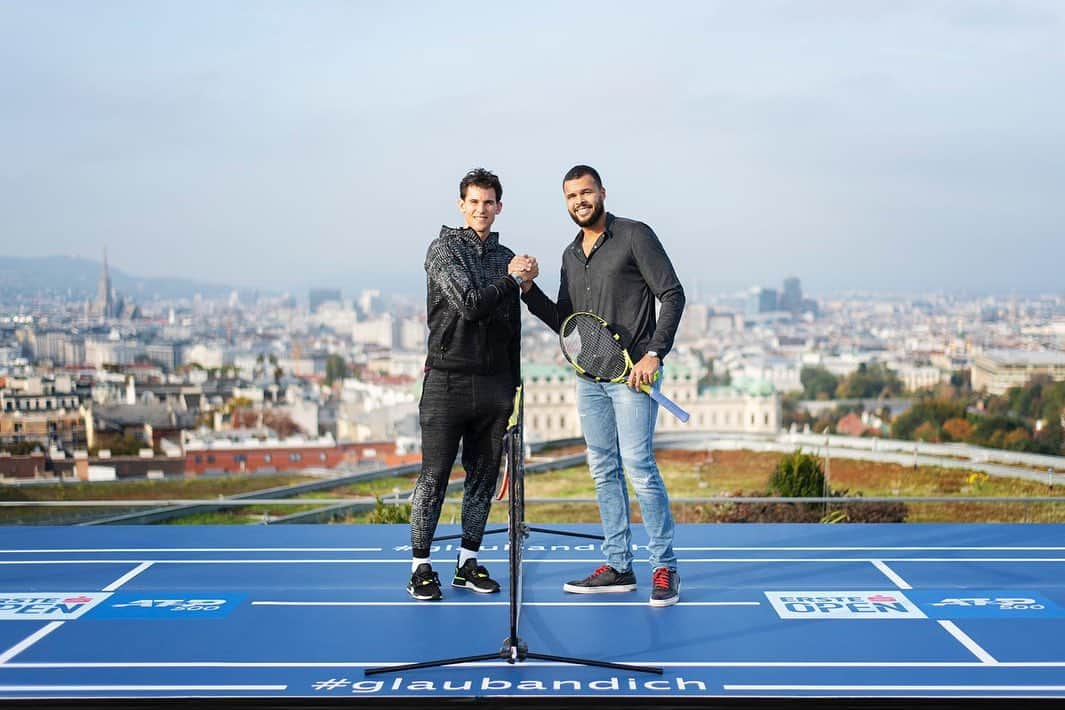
[170,606]
[985,604]
[1000,603]
[173,604]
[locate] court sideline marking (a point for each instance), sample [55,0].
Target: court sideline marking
[504,664]
[899,548]
[908,688]
[949,626]
[133,688]
[52,626]
[441,603]
[127,576]
[92,550]
[890,574]
[29,641]
[984,657]
[406,560]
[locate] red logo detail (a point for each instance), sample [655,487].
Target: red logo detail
[77,600]
[882,598]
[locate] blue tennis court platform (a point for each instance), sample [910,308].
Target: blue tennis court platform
[939,613]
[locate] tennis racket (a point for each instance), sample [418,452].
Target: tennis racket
[596,351]
[512,432]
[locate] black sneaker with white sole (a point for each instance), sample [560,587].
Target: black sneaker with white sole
[665,587]
[604,580]
[474,576]
[425,584]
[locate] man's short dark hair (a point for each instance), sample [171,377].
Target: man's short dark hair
[482,179]
[579,171]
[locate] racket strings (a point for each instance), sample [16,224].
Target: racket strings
[590,345]
[516,513]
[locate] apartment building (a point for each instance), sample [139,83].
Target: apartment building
[998,370]
[744,406]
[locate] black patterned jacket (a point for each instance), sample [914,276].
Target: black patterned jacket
[472,305]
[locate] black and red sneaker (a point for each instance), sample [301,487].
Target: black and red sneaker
[665,587]
[604,580]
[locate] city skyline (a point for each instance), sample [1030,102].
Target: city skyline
[881,146]
[82,275]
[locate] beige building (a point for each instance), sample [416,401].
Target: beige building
[915,377]
[45,428]
[745,406]
[998,370]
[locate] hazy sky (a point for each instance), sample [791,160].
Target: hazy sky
[883,145]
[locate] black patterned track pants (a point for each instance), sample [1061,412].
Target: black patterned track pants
[472,409]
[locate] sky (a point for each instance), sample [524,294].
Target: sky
[856,144]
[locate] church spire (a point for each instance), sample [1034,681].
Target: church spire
[105,306]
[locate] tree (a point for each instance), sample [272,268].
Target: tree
[935,411]
[1018,440]
[798,475]
[385,513]
[928,431]
[790,414]
[1050,439]
[818,383]
[957,429]
[992,430]
[869,381]
[335,369]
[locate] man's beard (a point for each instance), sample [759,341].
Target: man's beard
[597,212]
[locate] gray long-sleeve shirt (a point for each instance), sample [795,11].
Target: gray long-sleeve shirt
[627,269]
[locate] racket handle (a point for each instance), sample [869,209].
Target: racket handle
[671,406]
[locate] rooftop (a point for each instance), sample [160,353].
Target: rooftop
[1025,357]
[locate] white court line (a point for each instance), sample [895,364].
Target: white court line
[439,603]
[906,548]
[891,574]
[130,688]
[907,688]
[99,550]
[126,577]
[862,559]
[406,560]
[29,641]
[91,550]
[504,664]
[49,628]
[966,641]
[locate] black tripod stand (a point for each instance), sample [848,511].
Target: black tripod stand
[515,650]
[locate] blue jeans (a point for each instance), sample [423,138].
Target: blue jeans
[619,425]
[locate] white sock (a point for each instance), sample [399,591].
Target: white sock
[465,554]
[418,561]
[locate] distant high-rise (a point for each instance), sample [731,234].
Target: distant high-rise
[791,296]
[318,296]
[761,300]
[370,303]
[104,306]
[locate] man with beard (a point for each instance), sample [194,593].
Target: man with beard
[616,268]
[471,371]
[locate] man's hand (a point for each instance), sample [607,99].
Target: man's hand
[644,372]
[526,267]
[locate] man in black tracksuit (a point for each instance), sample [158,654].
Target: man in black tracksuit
[471,372]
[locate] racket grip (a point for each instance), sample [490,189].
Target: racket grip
[668,403]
